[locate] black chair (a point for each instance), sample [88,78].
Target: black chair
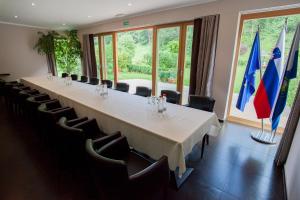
[83,79]
[49,114]
[70,141]
[109,83]
[123,87]
[33,102]
[74,77]
[90,128]
[202,103]
[94,81]
[64,75]
[143,91]
[72,138]
[13,97]
[172,96]
[6,90]
[120,173]
[22,96]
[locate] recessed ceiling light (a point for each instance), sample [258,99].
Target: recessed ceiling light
[129,4]
[89,16]
[120,15]
[33,4]
[16,16]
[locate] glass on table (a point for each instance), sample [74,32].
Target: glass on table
[105,89]
[49,76]
[98,89]
[154,100]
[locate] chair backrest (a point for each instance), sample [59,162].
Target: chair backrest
[172,96]
[123,87]
[33,102]
[94,81]
[74,77]
[83,79]
[23,95]
[109,83]
[38,99]
[201,103]
[143,91]
[90,128]
[63,75]
[51,115]
[72,138]
[110,175]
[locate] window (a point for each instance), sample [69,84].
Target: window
[167,51]
[135,58]
[96,46]
[270,24]
[107,57]
[187,64]
[158,57]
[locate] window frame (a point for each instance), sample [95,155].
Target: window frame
[244,17]
[181,54]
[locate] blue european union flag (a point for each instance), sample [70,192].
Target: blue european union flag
[248,85]
[290,73]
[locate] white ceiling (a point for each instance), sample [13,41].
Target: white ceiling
[59,14]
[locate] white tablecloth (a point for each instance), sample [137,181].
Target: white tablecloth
[173,134]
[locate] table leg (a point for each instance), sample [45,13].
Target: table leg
[177,181]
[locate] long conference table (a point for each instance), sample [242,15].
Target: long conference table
[173,133]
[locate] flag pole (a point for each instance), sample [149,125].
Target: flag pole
[260,136]
[260,77]
[273,133]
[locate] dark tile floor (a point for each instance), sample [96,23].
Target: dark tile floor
[233,167]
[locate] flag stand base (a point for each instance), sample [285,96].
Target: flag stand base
[264,137]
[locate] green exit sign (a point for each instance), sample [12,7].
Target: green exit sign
[126,23]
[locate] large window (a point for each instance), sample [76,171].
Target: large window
[107,57]
[158,57]
[270,27]
[167,65]
[96,46]
[135,58]
[187,64]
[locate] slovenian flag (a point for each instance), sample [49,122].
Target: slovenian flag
[268,89]
[248,85]
[290,73]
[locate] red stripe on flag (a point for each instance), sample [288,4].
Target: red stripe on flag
[261,103]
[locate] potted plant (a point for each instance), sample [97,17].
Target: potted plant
[45,46]
[172,77]
[163,76]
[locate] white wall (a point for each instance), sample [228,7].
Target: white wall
[229,11]
[17,56]
[292,168]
